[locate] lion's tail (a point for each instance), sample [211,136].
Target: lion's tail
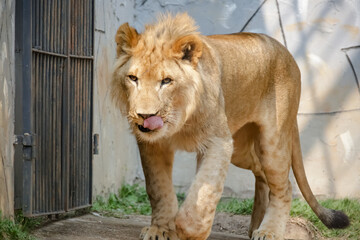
[331,218]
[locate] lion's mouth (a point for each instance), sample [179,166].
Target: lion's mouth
[143,129]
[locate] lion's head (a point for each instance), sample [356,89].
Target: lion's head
[155,80]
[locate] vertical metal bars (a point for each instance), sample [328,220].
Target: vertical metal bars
[80,95]
[48,76]
[48,25]
[80,129]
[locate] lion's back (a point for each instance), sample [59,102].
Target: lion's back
[252,65]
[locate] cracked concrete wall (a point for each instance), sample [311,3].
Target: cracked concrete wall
[323,36]
[7,86]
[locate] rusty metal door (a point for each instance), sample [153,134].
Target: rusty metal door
[54,40]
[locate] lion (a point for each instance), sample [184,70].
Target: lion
[229,98]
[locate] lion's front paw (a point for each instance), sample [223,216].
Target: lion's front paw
[157,233]
[264,235]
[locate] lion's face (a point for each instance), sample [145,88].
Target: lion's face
[156,82]
[159,97]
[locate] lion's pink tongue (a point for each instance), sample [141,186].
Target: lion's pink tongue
[154,122]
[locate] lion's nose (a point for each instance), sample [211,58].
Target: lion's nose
[145,116]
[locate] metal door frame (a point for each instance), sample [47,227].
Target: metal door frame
[24,107]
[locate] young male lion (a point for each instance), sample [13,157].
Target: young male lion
[231,98]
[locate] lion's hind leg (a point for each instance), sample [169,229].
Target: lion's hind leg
[246,152]
[275,158]
[261,202]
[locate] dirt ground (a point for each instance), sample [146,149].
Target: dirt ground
[93,226]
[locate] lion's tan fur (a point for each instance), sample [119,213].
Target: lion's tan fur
[232,98]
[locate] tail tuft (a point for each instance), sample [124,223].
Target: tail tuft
[334,219]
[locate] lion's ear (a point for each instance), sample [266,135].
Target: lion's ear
[126,38]
[188,48]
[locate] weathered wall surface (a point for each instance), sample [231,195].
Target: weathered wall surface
[323,36]
[7,84]
[118,157]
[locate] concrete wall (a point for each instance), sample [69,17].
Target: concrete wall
[7,86]
[323,36]
[118,156]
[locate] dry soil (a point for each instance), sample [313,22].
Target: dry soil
[93,226]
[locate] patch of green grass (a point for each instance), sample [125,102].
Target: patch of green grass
[236,206]
[351,208]
[130,199]
[300,208]
[17,230]
[29,224]
[181,198]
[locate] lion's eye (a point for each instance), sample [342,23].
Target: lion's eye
[166,81]
[132,78]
